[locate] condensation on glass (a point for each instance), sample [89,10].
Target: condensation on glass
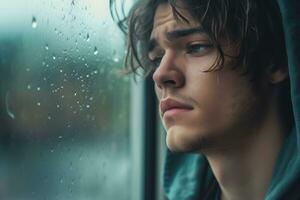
[64,102]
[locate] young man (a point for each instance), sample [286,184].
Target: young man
[223,79]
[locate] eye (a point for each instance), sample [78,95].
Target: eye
[198,48]
[156,61]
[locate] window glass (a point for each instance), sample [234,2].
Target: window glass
[64,102]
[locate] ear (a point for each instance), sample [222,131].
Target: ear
[277,75]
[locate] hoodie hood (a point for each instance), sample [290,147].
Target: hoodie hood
[189,177]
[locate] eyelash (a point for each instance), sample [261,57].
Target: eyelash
[194,48]
[198,49]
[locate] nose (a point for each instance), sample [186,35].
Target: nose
[168,74]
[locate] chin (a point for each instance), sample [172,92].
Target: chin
[181,140]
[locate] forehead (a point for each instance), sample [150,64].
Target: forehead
[164,21]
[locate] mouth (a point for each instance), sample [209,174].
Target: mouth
[170,107]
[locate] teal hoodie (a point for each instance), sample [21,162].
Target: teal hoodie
[189,177]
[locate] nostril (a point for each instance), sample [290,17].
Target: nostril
[170,82]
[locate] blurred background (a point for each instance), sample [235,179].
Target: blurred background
[72,126]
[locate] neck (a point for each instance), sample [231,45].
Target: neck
[245,170]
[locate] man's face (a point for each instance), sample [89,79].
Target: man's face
[198,109]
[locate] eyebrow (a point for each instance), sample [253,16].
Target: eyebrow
[176,34]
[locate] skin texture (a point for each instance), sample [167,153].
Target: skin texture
[235,125]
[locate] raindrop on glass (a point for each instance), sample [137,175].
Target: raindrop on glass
[114,52]
[28,87]
[33,22]
[116,59]
[47,47]
[88,37]
[38,88]
[38,103]
[95,51]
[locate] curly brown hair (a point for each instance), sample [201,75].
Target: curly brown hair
[254,25]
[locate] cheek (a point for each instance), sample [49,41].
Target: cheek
[219,95]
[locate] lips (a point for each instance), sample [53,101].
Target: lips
[171,104]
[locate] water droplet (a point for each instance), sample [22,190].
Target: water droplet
[60,137]
[61,71]
[28,87]
[27,69]
[9,112]
[33,22]
[88,106]
[95,51]
[38,88]
[57,105]
[49,118]
[38,103]
[91,98]
[116,59]
[96,72]
[73,2]
[87,37]
[54,57]
[47,47]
